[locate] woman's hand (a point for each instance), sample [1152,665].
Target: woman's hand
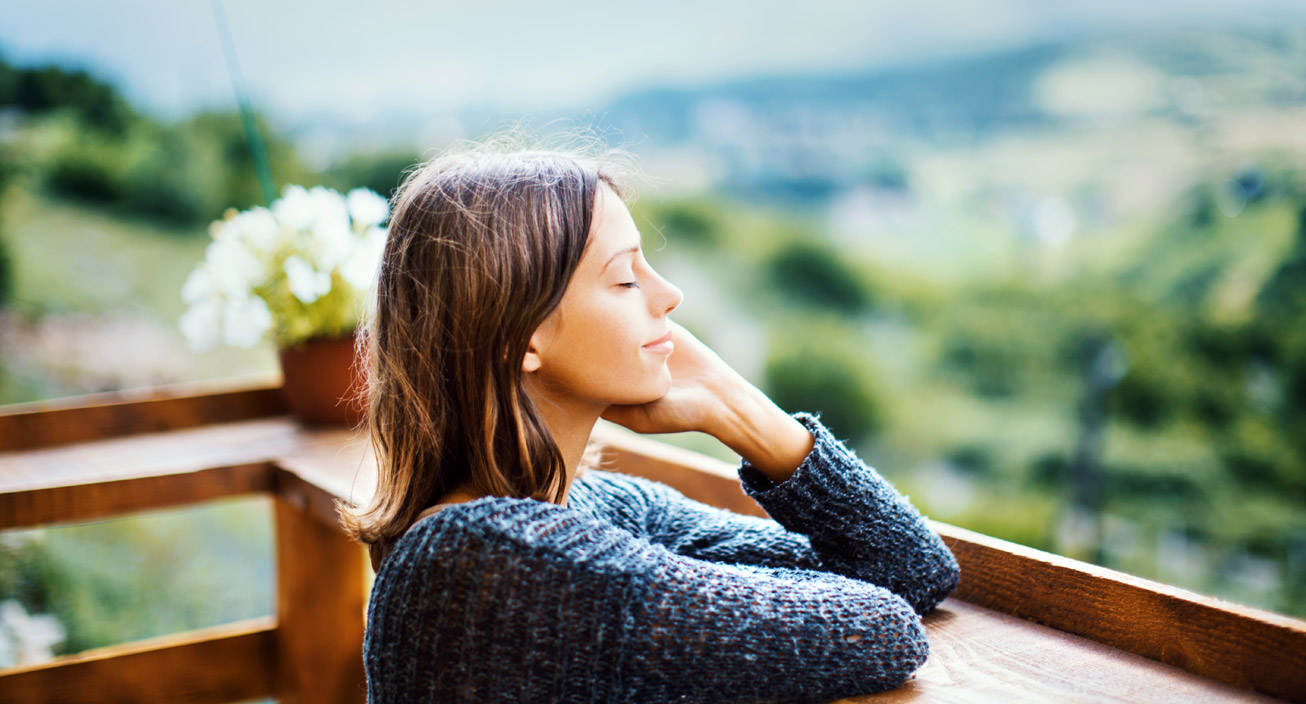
[700,381]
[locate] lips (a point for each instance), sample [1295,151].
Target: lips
[660,340]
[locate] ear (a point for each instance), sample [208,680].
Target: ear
[540,343]
[531,361]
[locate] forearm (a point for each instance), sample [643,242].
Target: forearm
[858,523]
[761,432]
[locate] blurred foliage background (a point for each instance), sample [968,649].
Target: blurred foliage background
[1056,294]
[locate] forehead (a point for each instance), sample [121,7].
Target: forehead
[612,229]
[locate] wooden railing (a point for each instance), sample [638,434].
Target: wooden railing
[1023,624]
[311,650]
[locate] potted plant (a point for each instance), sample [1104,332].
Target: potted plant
[296,273]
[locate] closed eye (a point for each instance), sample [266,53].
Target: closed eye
[632,284]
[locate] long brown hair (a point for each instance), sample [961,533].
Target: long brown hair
[483,239]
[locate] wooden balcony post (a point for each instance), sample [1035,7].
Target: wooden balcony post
[320,607]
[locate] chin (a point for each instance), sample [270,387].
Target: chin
[653,389]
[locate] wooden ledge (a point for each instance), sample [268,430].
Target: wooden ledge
[981,656]
[1104,635]
[134,411]
[237,661]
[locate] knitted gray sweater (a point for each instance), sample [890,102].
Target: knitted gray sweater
[634,593]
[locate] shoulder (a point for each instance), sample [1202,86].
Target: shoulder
[509,534]
[499,585]
[608,480]
[596,486]
[630,502]
[501,551]
[488,522]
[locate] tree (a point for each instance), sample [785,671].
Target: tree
[815,274]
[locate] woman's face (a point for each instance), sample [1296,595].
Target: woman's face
[592,348]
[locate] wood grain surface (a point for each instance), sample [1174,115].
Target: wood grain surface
[23,508]
[1106,636]
[134,411]
[215,665]
[321,602]
[1250,648]
[980,656]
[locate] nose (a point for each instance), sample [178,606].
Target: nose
[670,297]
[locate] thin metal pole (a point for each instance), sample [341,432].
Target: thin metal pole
[259,153]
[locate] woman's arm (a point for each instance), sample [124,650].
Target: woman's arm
[853,521]
[834,513]
[524,601]
[761,432]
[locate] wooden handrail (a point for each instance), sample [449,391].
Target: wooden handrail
[237,657]
[84,502]
[1248,648]
[134,411]
[312,652]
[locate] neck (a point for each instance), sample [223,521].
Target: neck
[570,422]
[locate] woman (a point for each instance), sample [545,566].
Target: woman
[514,308]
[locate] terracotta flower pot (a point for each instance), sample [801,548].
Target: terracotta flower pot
[322,380]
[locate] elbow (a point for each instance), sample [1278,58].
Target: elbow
[896,647]
[917,651]
[911,648]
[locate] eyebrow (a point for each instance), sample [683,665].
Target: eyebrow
[618,254]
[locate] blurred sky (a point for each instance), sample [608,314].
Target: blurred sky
[355,63]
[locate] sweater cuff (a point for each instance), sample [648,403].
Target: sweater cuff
[825,447]
[830,493]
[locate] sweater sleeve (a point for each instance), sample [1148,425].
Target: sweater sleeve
[835,514]
[523,601]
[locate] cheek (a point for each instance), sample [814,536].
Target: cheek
[591,339]
[601,337]
[613,340]
[609,321]
[613,351]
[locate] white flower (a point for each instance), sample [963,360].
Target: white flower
[235,270]
[360,268]
[376,237]
[218,229]
[307,235]
[245,321]
[294,208]
[328,206]
[259,229]
[307,283]
[332,243]
[199,285]
[199,325]
[27,639]
[367,207]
